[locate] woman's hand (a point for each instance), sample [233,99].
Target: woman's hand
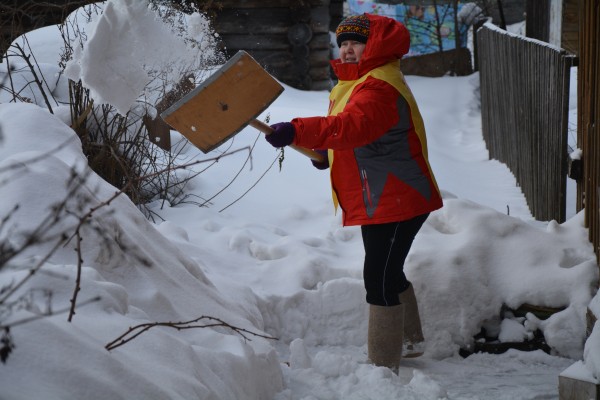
[283,134]
[321,164]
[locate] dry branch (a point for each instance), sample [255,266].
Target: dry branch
[137,330]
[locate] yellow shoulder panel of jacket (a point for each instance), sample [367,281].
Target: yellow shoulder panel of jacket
[341,93]
[392,74]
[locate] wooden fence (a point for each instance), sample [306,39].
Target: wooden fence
[588,119]
[524,109]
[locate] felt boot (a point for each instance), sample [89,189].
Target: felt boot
[386,329]
[414,342]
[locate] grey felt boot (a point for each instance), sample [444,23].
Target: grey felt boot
[386,329]
[414,342]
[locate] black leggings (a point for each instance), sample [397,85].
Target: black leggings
[386,248]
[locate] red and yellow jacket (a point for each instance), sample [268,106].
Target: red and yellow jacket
[375,135]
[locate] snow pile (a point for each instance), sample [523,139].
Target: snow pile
[139,276]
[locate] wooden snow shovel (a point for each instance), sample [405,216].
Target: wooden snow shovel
[227,102]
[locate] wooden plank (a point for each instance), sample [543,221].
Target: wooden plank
[540,312]
[284,59]
[267,20]
[574,389]
[320,74]
[321,85]
[235,42]
[320,41]
[319,19]
[225,4]
[259,21]
[319,58]
[252,42]
[273,59]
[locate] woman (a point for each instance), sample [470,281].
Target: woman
[381,178]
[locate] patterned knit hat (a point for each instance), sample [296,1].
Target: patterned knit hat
[355,27]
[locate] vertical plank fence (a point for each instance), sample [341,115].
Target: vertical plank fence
[524,109]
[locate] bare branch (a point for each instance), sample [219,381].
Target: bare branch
[137,330]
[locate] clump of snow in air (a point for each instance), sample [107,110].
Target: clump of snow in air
[129,41]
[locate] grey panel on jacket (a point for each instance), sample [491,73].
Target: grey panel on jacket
[390,154]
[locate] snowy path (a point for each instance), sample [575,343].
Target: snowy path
[509,376]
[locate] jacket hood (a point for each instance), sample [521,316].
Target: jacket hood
[389,40]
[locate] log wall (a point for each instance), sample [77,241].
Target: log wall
[289,38]
[21,16]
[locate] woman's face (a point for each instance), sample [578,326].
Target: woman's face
[351,51]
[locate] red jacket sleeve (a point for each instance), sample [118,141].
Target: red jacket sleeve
[370,112]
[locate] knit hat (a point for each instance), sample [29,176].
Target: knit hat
[355,27]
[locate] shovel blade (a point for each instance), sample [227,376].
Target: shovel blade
[223,104]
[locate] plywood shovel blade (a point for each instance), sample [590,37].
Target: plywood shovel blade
[224,104]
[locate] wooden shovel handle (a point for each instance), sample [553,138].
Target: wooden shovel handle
[267,130]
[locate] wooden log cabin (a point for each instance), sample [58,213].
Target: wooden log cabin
[289,38]
[21,16]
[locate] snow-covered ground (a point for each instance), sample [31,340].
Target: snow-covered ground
[269,256]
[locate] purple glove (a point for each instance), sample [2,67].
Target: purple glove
[283,134]
[321,164]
